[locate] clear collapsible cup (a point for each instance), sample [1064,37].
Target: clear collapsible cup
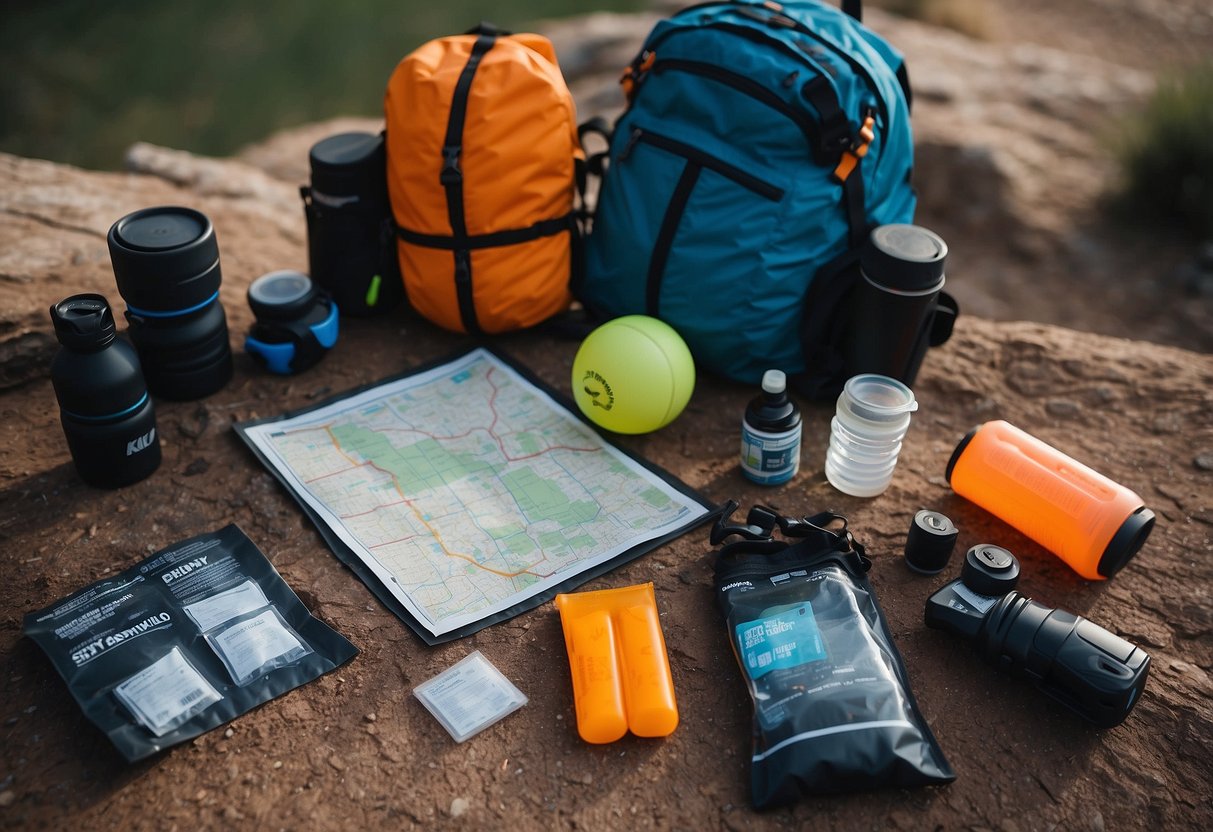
[869,423]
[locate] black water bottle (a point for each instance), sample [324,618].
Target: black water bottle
[106,412]
[894,307]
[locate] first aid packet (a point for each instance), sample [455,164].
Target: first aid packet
[184,641]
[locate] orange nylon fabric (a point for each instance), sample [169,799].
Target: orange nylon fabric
[517,161]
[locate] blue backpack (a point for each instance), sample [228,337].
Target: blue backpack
[761,144]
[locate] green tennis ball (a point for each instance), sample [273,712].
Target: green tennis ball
[633,375]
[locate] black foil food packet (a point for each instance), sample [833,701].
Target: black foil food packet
[184,642]
[832,706]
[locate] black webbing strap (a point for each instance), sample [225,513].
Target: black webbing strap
[451,178]
[472,242]
[484,27]
[903,78]
[825,317]
[836,132]
[852,203]
[854,8]
[576,257]
[594,164]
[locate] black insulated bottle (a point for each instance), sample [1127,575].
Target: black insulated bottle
[894,308]
[107,414]
[166,262]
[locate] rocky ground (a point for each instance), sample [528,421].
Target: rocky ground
[355,749]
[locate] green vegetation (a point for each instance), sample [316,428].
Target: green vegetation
[1166,154]
[82,80]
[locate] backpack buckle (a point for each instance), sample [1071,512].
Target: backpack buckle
[757,526]
[834,135]
[635,71]
[451,174]
[858,149]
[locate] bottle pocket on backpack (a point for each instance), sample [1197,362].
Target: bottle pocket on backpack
[351,258]
[671,203]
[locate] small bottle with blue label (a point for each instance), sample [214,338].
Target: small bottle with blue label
[770,433]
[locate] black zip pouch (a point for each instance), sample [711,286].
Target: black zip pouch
[833,710]
[184,641]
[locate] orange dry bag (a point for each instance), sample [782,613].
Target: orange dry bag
[482,147]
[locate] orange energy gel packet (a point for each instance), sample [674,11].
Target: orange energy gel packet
[621,673]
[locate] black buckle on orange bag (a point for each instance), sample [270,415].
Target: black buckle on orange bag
[451,174]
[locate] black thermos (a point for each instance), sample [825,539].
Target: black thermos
[106,412]
[893,307]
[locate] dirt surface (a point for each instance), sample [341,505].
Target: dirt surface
[355,749]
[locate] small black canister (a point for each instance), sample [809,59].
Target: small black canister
[166,262]
[351,243]
[893,308]
[106,412]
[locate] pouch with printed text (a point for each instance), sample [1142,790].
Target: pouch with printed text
[833,710]
[184,641]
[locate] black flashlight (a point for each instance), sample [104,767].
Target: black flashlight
[1091,671]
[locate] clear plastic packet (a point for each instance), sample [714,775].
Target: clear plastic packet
[167,693]
[184,641]
[255,645]
[469,696]
[833,710]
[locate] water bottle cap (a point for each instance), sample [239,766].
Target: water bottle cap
[878,398]
[283,295]
[774,382]
[84,323]
[166,259]
[929,542]
[905,259]
[347,165]
[990,570]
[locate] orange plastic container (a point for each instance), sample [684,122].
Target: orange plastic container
[621,673]
[1092,523]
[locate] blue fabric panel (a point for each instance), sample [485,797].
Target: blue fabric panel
[726,81]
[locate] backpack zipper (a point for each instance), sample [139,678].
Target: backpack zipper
[797,26]
[696,156]
[696,161]
[759,36]
[745,86]
[824,148]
